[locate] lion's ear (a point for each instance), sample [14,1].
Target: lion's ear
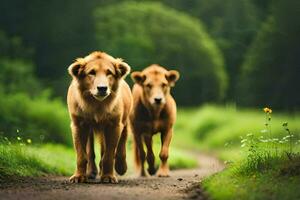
[122,69]
[172,76]
[76,69]
[138,77]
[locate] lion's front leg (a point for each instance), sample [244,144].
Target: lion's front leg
[111,138]
[80,134]
[166,137]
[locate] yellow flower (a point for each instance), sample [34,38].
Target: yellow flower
[18,138]
[29,141]
[267,110]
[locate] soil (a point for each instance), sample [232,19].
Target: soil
[182,184]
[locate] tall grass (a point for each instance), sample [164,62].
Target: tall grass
[268,159]
[20,159]
[266,152]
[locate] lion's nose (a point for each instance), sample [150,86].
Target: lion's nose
[102,89]
[157,100]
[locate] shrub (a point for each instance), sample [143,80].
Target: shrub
[17,76]
[38,118]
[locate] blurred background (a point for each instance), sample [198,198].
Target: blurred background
[242,53]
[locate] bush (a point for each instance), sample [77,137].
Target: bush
[38,118]
[146,33]
[17,76]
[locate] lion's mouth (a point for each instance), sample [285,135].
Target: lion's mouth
[100,97]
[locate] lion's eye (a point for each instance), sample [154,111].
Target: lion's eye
[92,72]
[109,73]
[163,85]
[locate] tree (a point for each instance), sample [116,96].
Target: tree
[16,69]
[271,70]
[146,33]
[57,31]
[232,24]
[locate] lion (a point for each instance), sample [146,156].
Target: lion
[99,102]
[154,110]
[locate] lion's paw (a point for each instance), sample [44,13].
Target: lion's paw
[163,172]
[77,178]
[109,179]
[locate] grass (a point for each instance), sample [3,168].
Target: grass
[38,160]
[231,185]
[27,160]
[16,162]
[215,127]
[252,173]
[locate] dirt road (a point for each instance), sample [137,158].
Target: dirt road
[183,184]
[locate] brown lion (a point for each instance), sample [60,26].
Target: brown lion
[154,110]
[99,102]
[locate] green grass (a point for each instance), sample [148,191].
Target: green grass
[27,160]
[215,127]
[16,162]
[58,157]
[218,130]
[38,160]
[231,184]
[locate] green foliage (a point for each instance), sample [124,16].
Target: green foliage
[26,109]
[13,48]
[17,76]
[58,32]
[139,34]
[16,70]
[37,118]
[216,127]
[172,38]
[271,68]
[232,24]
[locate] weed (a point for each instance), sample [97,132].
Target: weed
[265,152]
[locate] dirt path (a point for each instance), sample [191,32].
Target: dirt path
[183,184]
